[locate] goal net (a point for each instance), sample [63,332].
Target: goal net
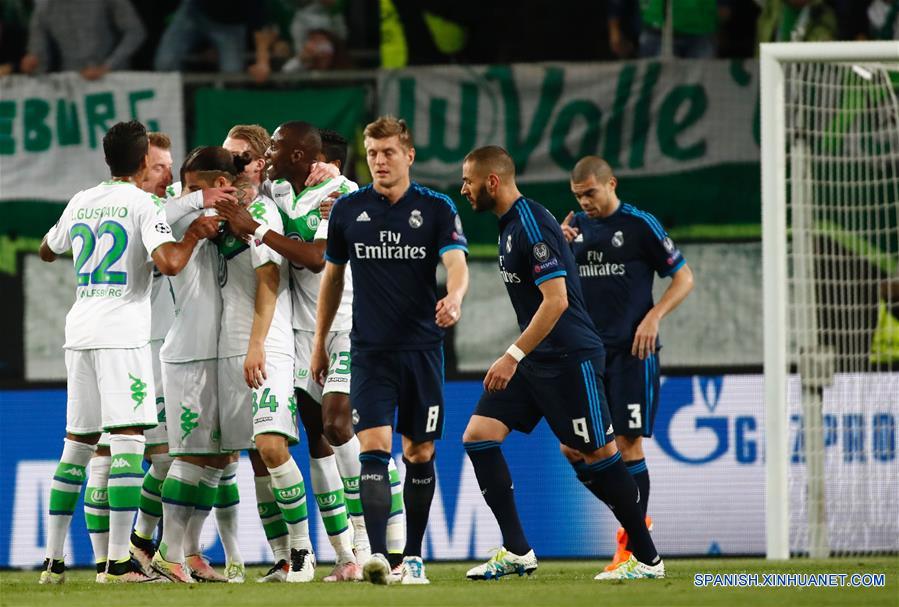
[830,153]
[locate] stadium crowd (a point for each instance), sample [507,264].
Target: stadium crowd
[232,36]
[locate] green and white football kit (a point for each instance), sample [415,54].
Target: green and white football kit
[112,229]
[272,408]
[189,356]
[302,221]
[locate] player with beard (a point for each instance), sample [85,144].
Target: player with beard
[553,370]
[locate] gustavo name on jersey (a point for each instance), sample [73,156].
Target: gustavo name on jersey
[389,247]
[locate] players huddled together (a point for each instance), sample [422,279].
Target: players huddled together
[264,289]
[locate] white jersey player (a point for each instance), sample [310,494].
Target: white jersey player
[116,232]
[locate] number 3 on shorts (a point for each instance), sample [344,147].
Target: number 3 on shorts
[636,420]
[433,414]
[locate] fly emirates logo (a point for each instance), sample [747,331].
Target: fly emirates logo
[389,247]
[508,277]
[595,266]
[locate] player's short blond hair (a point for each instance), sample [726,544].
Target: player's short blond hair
[253,134]
[390,126]
[159,140]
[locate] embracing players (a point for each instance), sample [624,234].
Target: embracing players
[117,232]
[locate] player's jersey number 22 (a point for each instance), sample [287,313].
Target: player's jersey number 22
[117,239]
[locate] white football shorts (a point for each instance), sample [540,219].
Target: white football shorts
[339,366]
[192,407]
[246,412]
[109,388]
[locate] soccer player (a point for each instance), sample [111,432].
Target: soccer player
[254,140]
[117,232]
[618,248]
[553,370]
[393,233]
[156,179]
[294,147]
[256,349]
[189,369]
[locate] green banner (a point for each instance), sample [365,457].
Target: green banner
[216,111]
[682,136]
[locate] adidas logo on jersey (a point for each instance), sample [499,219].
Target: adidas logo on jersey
[363,216]
[579,238]
[610,430]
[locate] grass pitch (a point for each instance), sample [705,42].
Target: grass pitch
[567,583]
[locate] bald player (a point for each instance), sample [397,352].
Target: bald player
[553,370]
[618,249]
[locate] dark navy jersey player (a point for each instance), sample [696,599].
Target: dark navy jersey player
[393,234]
[619,249]
[554,370]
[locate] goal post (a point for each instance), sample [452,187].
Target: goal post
[830,209]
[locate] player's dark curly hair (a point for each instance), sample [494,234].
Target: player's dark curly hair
[334,146]
[125,146]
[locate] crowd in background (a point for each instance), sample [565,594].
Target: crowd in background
[266,36]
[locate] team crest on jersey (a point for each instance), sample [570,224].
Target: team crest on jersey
[312,221]
[668,244]
[415,219]
[509,243]
[541,252]
[618,239]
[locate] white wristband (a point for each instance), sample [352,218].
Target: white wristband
[261,231]
[515,352]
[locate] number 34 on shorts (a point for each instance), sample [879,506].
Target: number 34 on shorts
[266,399]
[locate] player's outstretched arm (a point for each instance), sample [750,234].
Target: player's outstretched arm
[329,295]
[449,309]
[648,330]
[554,304]
[171,257]
[268,278]
[310,255]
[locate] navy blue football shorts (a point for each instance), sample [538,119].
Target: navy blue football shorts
[401,386]
[571,398]
[632,387]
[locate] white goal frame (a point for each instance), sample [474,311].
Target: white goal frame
[774,261]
